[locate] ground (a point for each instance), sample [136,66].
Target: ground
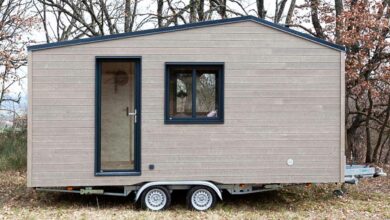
[370,199]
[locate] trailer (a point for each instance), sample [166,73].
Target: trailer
[202,195]
[240,104]
[355,172]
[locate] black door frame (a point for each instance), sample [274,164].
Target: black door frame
[137,127]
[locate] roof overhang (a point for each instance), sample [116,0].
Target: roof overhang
[186,27]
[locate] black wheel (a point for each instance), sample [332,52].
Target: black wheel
[155,198]
[201,198]
[338,192]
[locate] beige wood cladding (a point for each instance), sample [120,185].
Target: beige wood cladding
[283,98]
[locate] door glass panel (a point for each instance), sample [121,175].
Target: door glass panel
[180,93]
[117,128]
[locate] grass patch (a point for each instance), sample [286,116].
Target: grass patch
[13,149]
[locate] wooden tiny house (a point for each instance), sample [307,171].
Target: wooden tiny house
[233,101]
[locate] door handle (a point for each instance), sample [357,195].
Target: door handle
[134,114]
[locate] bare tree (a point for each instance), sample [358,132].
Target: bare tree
[175,12]
[339,9]
[379,143]
[220,6]
[290,12]
[15,24]
[366,33]
[200,9]
[279,8]
[193,9]
[128,15]
[315,19]
[160,7]
[260,9]
[362,26]
[133,13]
[56,24]
[79,18]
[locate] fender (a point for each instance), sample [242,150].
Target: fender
[165,183]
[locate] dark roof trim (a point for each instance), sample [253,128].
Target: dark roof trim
[185,27]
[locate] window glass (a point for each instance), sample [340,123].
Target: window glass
[117,131]
[206,94]
[181,93]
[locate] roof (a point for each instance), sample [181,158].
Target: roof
[186,27]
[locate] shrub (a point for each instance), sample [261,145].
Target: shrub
[13,149]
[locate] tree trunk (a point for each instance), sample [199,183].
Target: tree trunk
[192,11]
[367,125]
[160,6]
[383,146]
[280,10]
[219,6]
[315,20]
[339,9]
[378,145]
[200,9]
[133,14]
[127,16]
[387,160]
[351,134]
[42,14]
[108,17]
[290,12]
[260,8]
[223,8]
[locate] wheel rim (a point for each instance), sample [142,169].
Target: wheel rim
[202,199]
[155,199]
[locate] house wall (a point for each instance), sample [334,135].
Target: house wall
[282,100]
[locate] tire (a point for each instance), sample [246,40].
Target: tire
[155,198]
[201,198]
[338,192]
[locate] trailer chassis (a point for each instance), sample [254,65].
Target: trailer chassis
[202,195]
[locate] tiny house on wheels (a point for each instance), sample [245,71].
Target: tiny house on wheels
[239,105]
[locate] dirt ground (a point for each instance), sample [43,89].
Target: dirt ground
[370,199]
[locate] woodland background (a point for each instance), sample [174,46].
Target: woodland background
[362,26]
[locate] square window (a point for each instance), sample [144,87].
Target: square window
[194,93]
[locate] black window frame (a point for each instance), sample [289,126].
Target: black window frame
[220,93]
